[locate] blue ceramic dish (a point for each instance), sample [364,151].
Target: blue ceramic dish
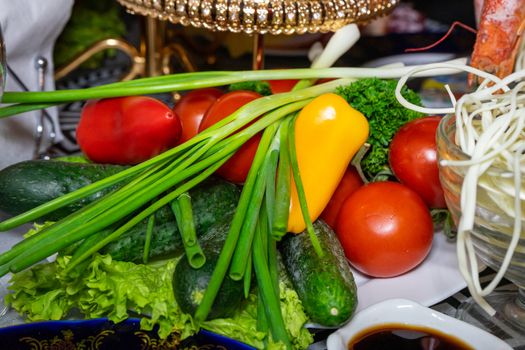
[102,334]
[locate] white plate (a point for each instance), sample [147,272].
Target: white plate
[409,313]
[435,279]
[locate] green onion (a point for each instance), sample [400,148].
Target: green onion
[247,281]
[88,242]
[270,171]
[181,207]
[300,190]
[281,209]
[148,211]
[233,234]
[147,241]
[273,264]
[231,241]
[262,321]
[244,243]
[266,288]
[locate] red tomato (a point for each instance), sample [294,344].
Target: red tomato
[350,182]
[323,80]
[191,109]
[285,85]
[237,167]
[126,130]
[385,229]
[413,159]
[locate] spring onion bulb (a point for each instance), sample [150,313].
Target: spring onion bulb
[489,130]
[342,40]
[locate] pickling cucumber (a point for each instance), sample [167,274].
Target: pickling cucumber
[325,284]
[212,201]
[28,184]
[189,284]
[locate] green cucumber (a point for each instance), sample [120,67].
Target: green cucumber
[189,284]
[325,284]
[28,184]
[212,201]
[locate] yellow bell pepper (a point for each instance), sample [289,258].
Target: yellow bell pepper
[328,133]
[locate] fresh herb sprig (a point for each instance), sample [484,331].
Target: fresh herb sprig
[376,99]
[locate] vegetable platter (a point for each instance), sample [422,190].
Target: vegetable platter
[241,226]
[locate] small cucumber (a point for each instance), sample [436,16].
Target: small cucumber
[28,184]
[189,284]
[212,201]
[325,284]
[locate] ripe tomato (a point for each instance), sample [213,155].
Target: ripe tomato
[413,159]
[237,167]
[191,109]
[385,229]
[126,130]
[284,85]
[350,182]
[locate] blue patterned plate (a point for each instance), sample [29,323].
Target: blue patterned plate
[104,335]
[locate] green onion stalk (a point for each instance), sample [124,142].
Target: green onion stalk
[20,102]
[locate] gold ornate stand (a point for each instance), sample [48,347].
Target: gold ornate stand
[254,17]
[258,17]
[262,16]
[138,62]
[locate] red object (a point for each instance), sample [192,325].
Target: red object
[413,159]
[350,182]
[237,167]
[447,34]
[284,85]
[126,130]
[192,107]
[385,229]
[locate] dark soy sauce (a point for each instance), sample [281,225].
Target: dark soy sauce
[405,337]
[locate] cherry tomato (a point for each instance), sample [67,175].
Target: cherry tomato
[413,159]
[323,80]
[126,130]
[191,109]
[237,167]
[385,229]
[284,85]
[350,182]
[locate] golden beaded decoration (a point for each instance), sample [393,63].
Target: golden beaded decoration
[262,16]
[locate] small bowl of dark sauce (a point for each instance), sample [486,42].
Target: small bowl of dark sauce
[406,325]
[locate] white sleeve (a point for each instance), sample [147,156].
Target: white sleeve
[30,29]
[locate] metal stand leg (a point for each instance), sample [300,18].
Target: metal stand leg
[258,52]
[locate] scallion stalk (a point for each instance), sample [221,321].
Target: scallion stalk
[147,241]
[247,280]
[244,243]
[267,292]
[196,80]
[230,244]
[281,208]
[148,211]
[182,209]
[300,189]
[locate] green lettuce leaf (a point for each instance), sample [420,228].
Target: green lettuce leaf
[243,325]
[104,287]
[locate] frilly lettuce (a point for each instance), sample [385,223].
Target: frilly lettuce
[110,288]
[243,325]
[105,288]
